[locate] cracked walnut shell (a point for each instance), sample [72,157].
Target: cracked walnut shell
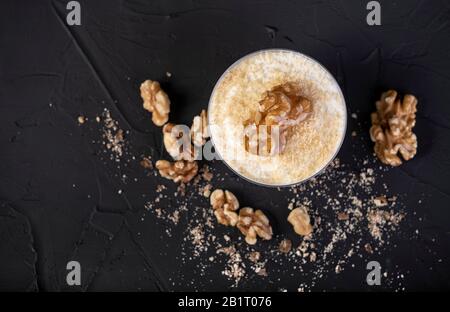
[225,205]
[199,129]
[392,126]
[253,224]
[156,101]
[178,171]
[300,220]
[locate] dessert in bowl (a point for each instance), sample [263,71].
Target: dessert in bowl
[277,117]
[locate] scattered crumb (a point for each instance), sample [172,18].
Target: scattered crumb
[368,248]
[380,201]
[207,190]
[382,220]
[254,256]
[342,216]
[206,174]
[350,219]
[113,136]
[235,269]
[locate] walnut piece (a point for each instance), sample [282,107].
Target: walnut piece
[177,142]
[146,163]
[300,220]
[392,126]
[225,205]
[281,108]
[343,216]
[199,129]
[285,246]
[253,224]
[178,171]
[254,256]
[156,101]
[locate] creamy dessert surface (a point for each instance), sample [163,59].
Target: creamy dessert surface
[310,145]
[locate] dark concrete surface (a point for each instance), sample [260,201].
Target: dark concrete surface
[59,195]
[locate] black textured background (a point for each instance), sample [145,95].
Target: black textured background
[59,198]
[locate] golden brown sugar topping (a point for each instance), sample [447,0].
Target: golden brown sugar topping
[281,108]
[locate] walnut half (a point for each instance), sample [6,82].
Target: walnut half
[391,129]
[199,129]
[300,220]
[285,246]
[178,171]
[253,224]
[281,108]
[156,101]
[225,205]
[177,142]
